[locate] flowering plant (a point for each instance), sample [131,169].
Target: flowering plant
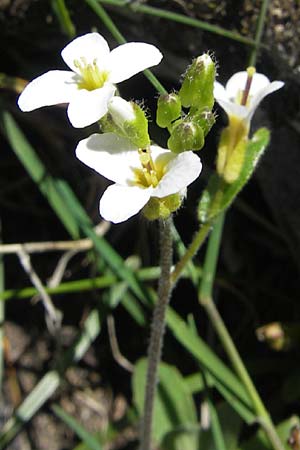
[153,180]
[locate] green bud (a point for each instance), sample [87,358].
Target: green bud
[162,208]
[126,119]
[186,135]
[204,117]
[168,109]
[198,84]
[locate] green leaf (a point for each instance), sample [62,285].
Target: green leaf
[259,441]
[219,195]
[90,441]
[174,407]
[223,378]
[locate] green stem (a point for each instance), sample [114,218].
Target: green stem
[102,14]
[259,31]
[193,248]
[206,300]
[158,326]
[64,17]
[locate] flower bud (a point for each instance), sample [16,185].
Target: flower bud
[186,135]
[204,117]
[162,208]
[128,120]
[198,84]
[168,109]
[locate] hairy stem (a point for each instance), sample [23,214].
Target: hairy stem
[157,332]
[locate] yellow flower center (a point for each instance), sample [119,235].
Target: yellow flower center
[91,76]
[149,174]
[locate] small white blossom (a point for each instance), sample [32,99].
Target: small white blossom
[89,85]
[117,159]
[231,97]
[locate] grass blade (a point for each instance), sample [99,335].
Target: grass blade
[180,18]
[64,18]
[89,440]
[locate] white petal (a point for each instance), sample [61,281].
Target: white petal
[51,88]
[237,83]
[219,91]
[234,109]
[181,171]
[128,59]
[110,155]
[255,101]
[121,110]
[91,46]
[86,107]
[118,203]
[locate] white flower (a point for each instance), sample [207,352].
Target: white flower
[243,93]
[89,85]
[117,159]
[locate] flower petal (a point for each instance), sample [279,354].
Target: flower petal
[110,155]
[51,88]
[237,83]
[234,109]
[255,101]
[86,107]
[128,59]
[219,91]
[91,47]
[181,170]
[118,203]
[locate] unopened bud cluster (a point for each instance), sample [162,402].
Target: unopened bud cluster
[188,128]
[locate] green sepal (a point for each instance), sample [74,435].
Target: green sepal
[218,194]
[186,135]
[135,130]
[198,84]
[168,109]
[162,208]
[204,117]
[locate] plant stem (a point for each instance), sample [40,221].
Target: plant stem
[206,300]
[193,248]
[157,332]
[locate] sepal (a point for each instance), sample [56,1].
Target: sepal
[162,208]
[168,109]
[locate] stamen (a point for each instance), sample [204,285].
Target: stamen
[92,76]
[148,168]
[250,72]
